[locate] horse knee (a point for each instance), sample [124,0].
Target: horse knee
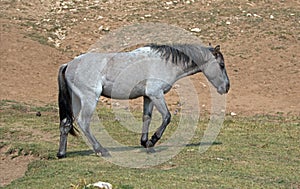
[167,118]
[65,126]
[146,117]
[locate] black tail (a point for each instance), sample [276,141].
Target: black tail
[65,101]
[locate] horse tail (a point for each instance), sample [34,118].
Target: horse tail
[65,102]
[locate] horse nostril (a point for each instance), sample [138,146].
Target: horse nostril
[227,87]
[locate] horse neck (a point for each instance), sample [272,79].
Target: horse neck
[201,58]
[191,70]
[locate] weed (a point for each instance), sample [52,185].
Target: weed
[39,38]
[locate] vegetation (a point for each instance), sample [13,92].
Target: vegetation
[250,152]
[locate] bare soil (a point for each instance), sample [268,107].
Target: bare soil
[260,41]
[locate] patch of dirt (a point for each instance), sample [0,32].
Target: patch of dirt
[260,42]
[12,166]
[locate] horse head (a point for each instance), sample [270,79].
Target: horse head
[215,71]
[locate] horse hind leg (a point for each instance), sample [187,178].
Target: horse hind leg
[65,127]
[84,119]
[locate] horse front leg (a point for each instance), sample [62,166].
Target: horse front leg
[160,104]
[147,115]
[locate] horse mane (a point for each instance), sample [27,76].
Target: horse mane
[187,54]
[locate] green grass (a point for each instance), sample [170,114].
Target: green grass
[250,152]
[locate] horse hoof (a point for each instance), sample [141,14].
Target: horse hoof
[60,156]
[103,154]
[144,143]
[149,144]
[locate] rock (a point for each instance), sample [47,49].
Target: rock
[106,29]
[101,185]
[233,114]
[197,30]
[256,15]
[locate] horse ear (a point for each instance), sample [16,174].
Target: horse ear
[217,49]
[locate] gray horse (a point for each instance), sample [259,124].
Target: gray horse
[149,71]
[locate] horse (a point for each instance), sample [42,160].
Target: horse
[148,71]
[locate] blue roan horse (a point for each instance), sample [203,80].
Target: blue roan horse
[149,71]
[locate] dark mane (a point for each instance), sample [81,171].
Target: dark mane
[188,55]
[170,53]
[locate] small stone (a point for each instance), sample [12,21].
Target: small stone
[197,30]
[50,40]
[256,15]
[190,150]
[106,29]
[228,22]
[233,114]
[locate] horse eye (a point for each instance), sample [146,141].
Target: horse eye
[222,65]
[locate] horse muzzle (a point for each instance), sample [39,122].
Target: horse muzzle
[224,88]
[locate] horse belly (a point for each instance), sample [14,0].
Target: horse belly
[123,90]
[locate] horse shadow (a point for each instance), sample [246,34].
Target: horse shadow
[204,144]
[142,149]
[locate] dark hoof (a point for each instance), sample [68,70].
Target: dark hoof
[149,147]
[149,144]
[104,153]
[150,150]
[144,143]
[60,156]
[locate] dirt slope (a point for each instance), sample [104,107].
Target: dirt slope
[260,41]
